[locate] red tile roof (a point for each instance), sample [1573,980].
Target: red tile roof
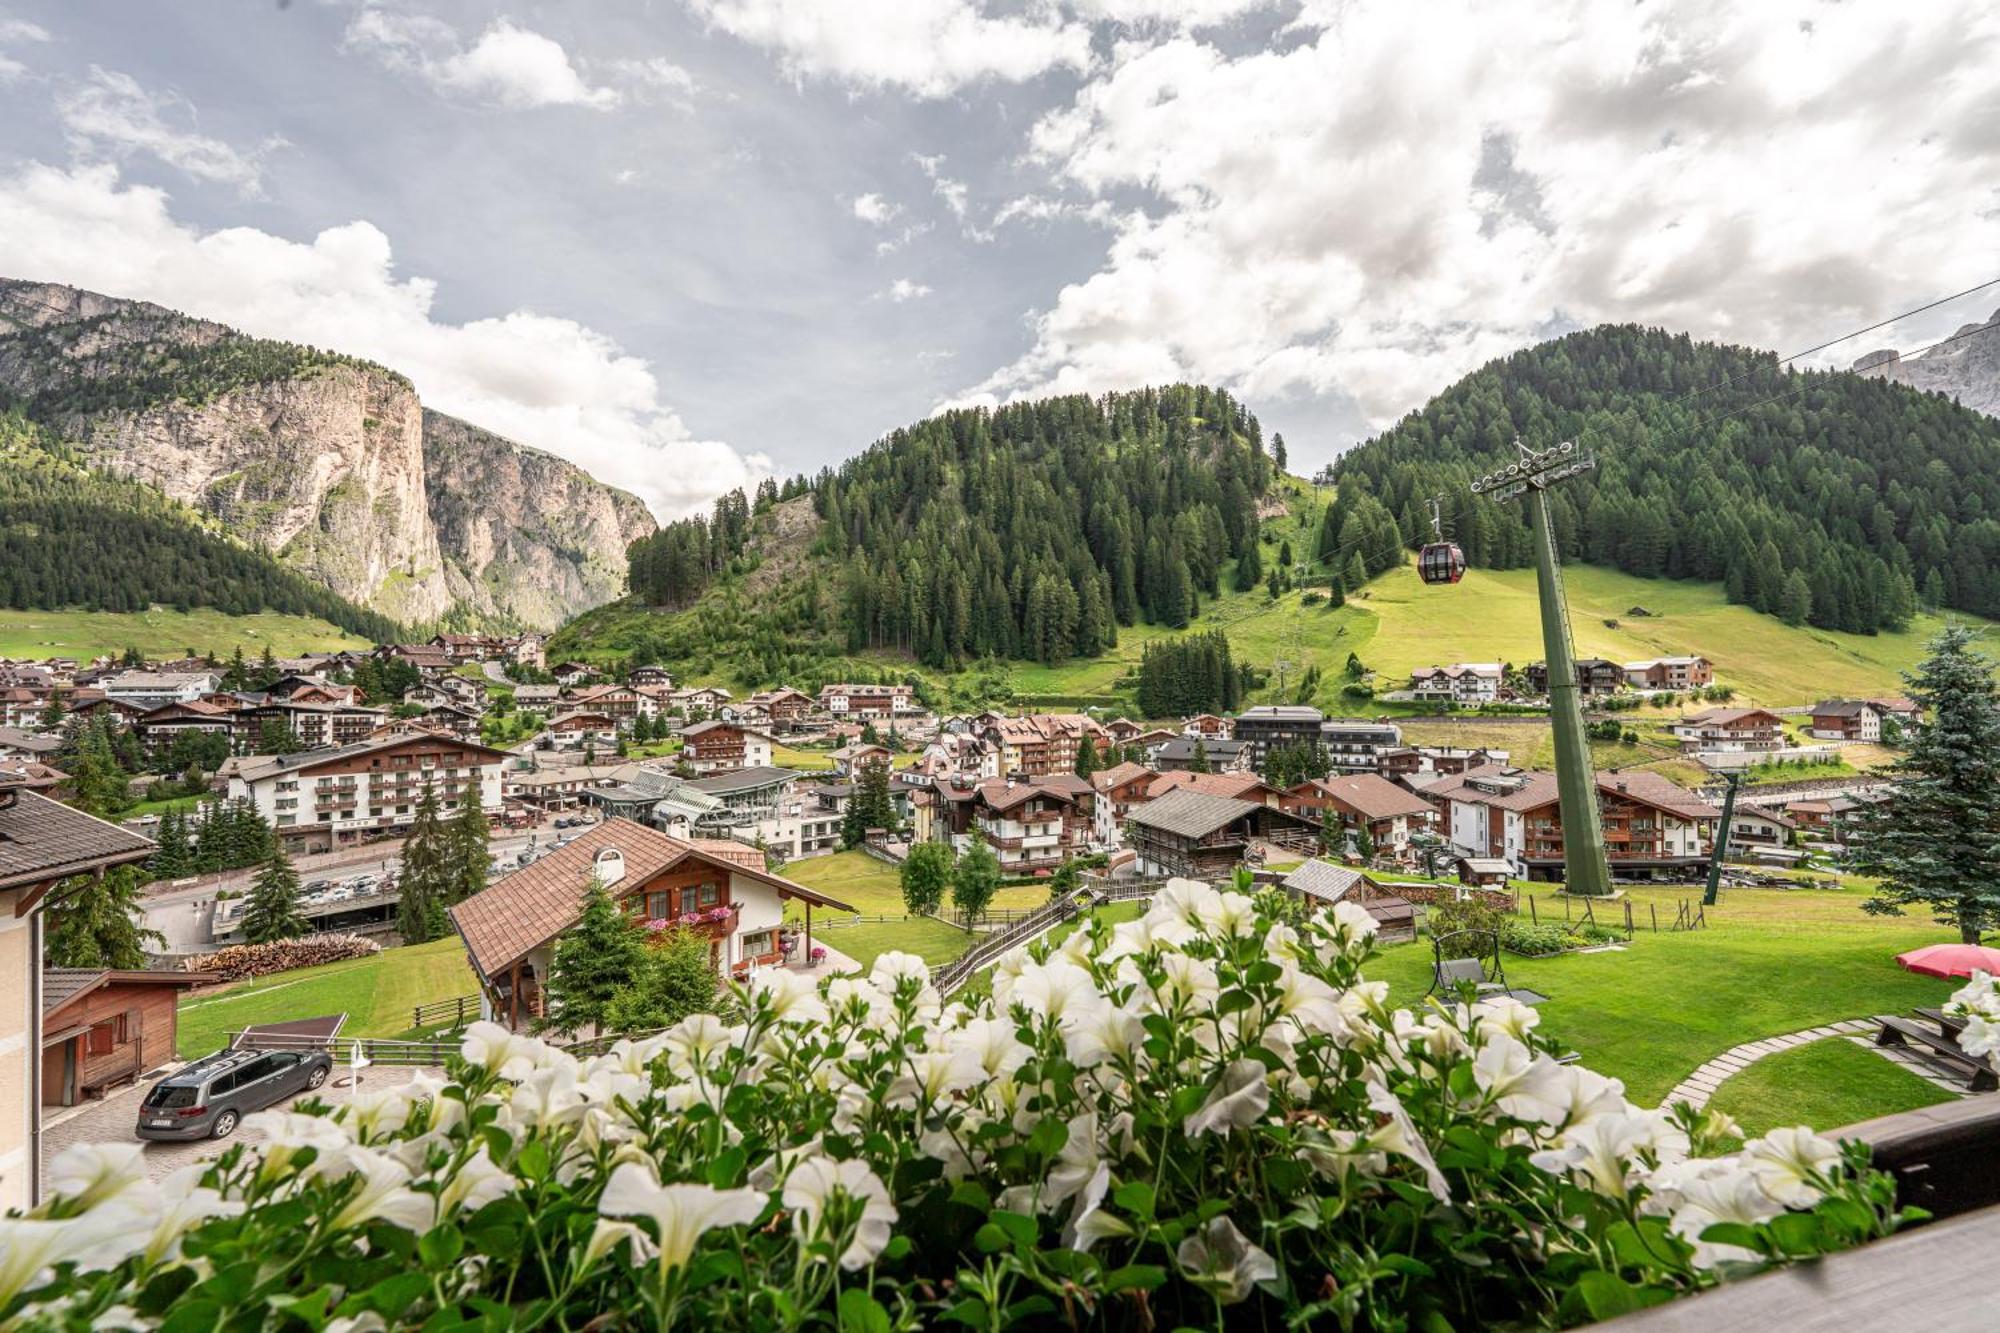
[1373,795]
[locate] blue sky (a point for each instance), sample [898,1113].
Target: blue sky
[691,242]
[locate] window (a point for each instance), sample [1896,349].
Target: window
[701,897]
[659,903]
[757,944]
[106,1036]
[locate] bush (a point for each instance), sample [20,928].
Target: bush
[239,962]
[1539,939]
[1198,1118]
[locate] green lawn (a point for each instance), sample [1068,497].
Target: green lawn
[1825,1084]
[874,888]
[161,806]
[164,633]
[1771,961]
[376,993]
[930,939]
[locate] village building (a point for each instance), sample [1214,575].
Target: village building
[1759,826]
[621,703]
[1122,730]
[18,744]
[712,747]
[21,707]
[574,674]
[719,889]
[1670,673]
[1461,683]
[1034,825]
[1730,730]
[788,709]
[1390,813]
[653,674]
[1269,727]
[1321,884]
[1218,756]
[150,689]
[103,1029]
[1430,761]
[581,727]
[1118,789]
[1595,676]
[1039,744]
[42,843]
[1193,834]
[849,760]
[537,698]
[460,648]
[1207,726]
[1652,827]
[32,775]
[322,799]
[1357,744]
[428,659]
[551,787]
[876,702]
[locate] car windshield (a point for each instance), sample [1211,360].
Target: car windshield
[171,1094]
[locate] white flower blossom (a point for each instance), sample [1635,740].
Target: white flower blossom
[90,1173]
[1222,1259]
[1786,1163]
[813,1185]
[1239,1098]
[683,1213]
[384,1194]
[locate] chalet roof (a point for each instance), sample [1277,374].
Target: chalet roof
[742,779]
[31,773]
[1537,790]
[1001,794]
[258,767]
[1182,747]
[705,728]
[34,742]
[1778,817]
[1104,779]
[62,985]
[1192,814]
[1843,707]
[41,839]
[1281,713]
[1323,880]
[519,912]
[1236,786]
[1373,795]
[1486,865]
[1724,717]
[582,715]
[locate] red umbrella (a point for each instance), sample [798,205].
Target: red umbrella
[1952,960]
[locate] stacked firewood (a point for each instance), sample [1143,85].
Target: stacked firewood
[239,961]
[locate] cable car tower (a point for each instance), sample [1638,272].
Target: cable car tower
[1585,870]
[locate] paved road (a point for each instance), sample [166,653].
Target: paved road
[112,1121]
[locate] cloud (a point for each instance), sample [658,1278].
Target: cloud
[540,379]
[20,30]
[509,66]
[903,289]
[953,192]
[1378,207]
[873,208]
[111,114]
[930,48]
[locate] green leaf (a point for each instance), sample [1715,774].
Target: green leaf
[193,1317]
[862,1313]
[1606,1295]
[441,1246]
[971,1194]
[1019,1229]
[1136,1198]
[1133,1277]
[1234,1001]
[1734,1233]
[727,1167]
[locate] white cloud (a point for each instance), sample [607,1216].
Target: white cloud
[540,379]
[509,66]
[903,289]
[931,48]
[953,192]
[20,30]
[1377,209]
[108,112]
[659,73]
[873,208]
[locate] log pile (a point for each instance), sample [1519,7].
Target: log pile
[241,961]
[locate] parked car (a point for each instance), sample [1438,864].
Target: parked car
[210,1097]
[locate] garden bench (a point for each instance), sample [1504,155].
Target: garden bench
[1948,1024]
[1452,971]
[1942,1047]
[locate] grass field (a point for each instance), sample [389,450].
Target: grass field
[875,888]
[1770,961]
[1824,1084]
[375,993]
[164,633]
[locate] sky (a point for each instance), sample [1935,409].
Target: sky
[692,243]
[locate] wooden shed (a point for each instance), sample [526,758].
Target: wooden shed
[102,1028]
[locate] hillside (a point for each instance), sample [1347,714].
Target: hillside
[1040,530]
[327,461]
[1827,498]
[74,537]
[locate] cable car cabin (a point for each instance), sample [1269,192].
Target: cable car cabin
[1441,562]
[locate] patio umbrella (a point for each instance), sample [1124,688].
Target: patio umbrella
[1952,960]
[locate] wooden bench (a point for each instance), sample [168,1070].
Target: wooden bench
[1943,1048]
[1948,1024]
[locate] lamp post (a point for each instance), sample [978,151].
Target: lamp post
[1586,872]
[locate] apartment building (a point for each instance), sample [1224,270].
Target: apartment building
[322,799]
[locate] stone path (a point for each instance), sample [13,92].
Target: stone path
[1699,1086]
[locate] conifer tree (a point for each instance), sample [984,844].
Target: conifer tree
[93,921]
[427,880]
[1249,568]
[1086,756]
[466,848]
[272,913]
[1935,839]
[594,960]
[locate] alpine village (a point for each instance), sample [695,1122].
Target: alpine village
[1068,863]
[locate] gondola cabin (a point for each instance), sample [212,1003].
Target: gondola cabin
[1441,562]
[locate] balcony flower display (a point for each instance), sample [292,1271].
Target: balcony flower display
[1205,1116]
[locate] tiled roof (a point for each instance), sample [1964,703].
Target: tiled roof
[1323,880]
[1104,779]
[1191,814]
[42,839]
[60,985]
[1374,796]
[533,905]
[1236,786]
[263,766]
[1001,794]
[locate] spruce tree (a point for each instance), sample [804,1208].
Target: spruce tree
[1249,568]
[1354,575]
[1086,757]
[272,913]
[594,960]
[426,881]
[175,857]
[675,977]
[93,921]
[1935,839]
[466,839]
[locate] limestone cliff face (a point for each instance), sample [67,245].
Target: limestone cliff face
[1967,368]
[527,537]
[321,458]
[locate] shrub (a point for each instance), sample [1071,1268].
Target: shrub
[1199,1117]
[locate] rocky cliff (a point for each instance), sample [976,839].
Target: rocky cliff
[322,458]
[528,538]
[1966,368]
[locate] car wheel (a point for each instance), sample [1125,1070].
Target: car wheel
[317,1077]
[225,1125]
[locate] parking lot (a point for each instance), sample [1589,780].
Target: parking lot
[113,1119]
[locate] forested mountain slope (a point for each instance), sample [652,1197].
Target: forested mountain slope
[1822,497]
[73,537]
[1033,531]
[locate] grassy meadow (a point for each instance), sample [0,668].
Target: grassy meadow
[164,633]
[376,993]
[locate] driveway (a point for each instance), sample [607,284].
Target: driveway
[113,1119]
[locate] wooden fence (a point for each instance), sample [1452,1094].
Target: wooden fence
[450,1014]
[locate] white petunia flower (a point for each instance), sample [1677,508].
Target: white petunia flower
[817,1181]
[498,1051]
[608,1235]
[31,1246]
[1222,1259]
[90,1173]
[1406,1140]
[1239,1098]
[990,1043]
[683,1213]
[474,1185]
[383,1195]
[1786,1162]
[1056,989]
[1725,1195]
[792,997]
[164,1213]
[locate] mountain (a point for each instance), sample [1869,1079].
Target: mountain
[327,460]
[1826,498]
[1966,368]
[73,536]
[1030,531]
